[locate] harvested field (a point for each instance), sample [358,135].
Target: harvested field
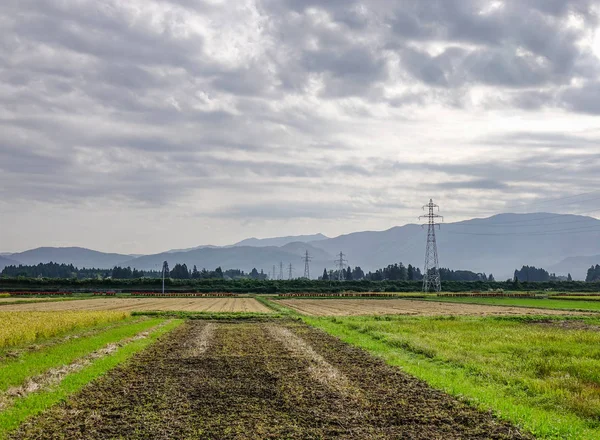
[148,304]
[257,381]
[352,307]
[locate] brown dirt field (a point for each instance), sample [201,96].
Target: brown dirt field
[147,304]
[352,307]
[257,381]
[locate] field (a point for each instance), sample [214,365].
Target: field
[22,327]
[542,372]
[349,307]
[147,304]
[556,304]
[480,371]
[256,381]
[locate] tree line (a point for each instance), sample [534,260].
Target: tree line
[593,274]
[535,274]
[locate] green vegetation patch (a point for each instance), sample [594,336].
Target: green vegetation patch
[15,372]
[540,373]
[35,403]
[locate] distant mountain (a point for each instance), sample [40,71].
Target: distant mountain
[498,244]
[174,251]
[280,241]
[241,257]
[4,261]
[77,256]
[576,266]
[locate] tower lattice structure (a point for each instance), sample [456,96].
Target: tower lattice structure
[431,273]
[281,270]
[341,264]
[290,272]
[306,259]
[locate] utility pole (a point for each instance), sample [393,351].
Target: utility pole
[164,269]
[290,269]
[341,263]
[281,270]
[431,274]
[306,259]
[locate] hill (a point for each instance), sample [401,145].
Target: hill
[77,256]
[280,241]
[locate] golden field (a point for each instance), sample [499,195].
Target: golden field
[22,327]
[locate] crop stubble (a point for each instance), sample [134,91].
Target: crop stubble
[243,380]
[148,304]
[353,307]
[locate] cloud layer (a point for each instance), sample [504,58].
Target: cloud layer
[195,121]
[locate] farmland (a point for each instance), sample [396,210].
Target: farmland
[562,303]
[542,373]
[247,368]
[346,307]
[251,380]
[147,304]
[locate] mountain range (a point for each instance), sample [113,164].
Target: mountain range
[561,243]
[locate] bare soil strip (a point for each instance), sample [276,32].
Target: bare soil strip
[248,384]
[55,375]
[147,304]
[351,307]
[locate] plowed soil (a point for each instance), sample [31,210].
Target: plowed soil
[147,304]
[351,307]
[260,381]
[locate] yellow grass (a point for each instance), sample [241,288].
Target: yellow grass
[22,327]
[4,295]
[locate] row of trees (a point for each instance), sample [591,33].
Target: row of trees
[535,274]
[593,274]
[181,272]
[53,270]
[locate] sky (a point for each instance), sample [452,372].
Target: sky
[144,125]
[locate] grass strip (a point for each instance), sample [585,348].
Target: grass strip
[37,402]
[461,381]
[31,364]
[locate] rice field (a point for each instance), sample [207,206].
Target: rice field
[23,327]
[213,305]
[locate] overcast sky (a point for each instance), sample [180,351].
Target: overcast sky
[142,125]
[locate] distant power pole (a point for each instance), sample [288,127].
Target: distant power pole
[290,269]
[306,259]
[431,273]
[341,263]
[274,276]
[281,270]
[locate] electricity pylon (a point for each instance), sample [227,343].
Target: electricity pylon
[306,259]
[341,263]
[431,273]
[281,270]
[274,276]
[290,270]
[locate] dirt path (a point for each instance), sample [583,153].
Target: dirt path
[258,381]
[351,307]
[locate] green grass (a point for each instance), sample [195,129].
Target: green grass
[558,304]
[541,377]
[37,402]
[15,372]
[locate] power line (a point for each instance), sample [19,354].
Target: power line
[431,273]
[520,205]
[553,232]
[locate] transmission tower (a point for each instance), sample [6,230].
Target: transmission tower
[306,259]
[290,270]
[281,270]
[341,263]
[274,276]
[431,273]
